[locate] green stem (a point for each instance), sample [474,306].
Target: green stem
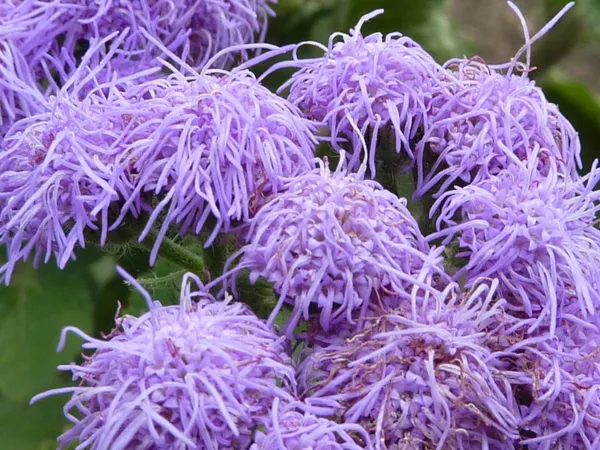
[175,253]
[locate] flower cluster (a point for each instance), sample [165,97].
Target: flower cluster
[557,382]
[204,372]
[332,240]
[390,340]
[485,121]
[181,149]
[459,122]
[52,34]
[421,383]
[534,233]
[369,86]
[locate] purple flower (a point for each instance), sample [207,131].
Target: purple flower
[19,95]
[183,150]
[420,384]
[51,33]
[374,86]
[535,233]
[61,173]
[223,145]
[295,429]
[486,120]
[331,241]
[201,374]
[559,395]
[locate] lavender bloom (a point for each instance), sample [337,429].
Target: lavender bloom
[19,95]
[487,118]
[332,240]
[368,86]
[49,33]
[560,396]
[223,144]
[201,374]
[61,173]
[294,429]
[183,150]
[535,233]
[420,384]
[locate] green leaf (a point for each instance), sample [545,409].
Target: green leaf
[33,310]
[113,290]
[581,106]
[31,427]
[163,282]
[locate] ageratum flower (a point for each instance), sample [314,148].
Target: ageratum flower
[560,396]
[51,33]
[373,86]
[19,96]
[535,233]
[185,150]
[201,374]
[420,384]
[485,119]
[331,240]
[294,429]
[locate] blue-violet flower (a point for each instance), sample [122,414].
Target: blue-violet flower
[420,384]
[201,374]
[331,240]
[368,86]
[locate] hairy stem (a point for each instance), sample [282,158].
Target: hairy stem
[176,253]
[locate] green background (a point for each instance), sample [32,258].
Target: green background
[39,303]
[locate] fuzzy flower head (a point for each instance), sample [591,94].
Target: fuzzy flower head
[61,173]
[52,33]
[371,86]
[201,374]
[487,118]
[224,144]
[535,233]
[183,151]
[419,384]
[559,394]
[416,384]
[332,240]
[295,429]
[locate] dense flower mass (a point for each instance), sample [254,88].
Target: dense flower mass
[369,86]
[483,121]
[208,146]
[565,396]
[535,233]
[201,374]
[294,429]
[123,121]
[333,239]
[50,34]
[420,384]
[558,384]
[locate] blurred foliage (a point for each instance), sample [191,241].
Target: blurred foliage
[581,106]
[39,303]
[33,310]
[590,10]
[422,20]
